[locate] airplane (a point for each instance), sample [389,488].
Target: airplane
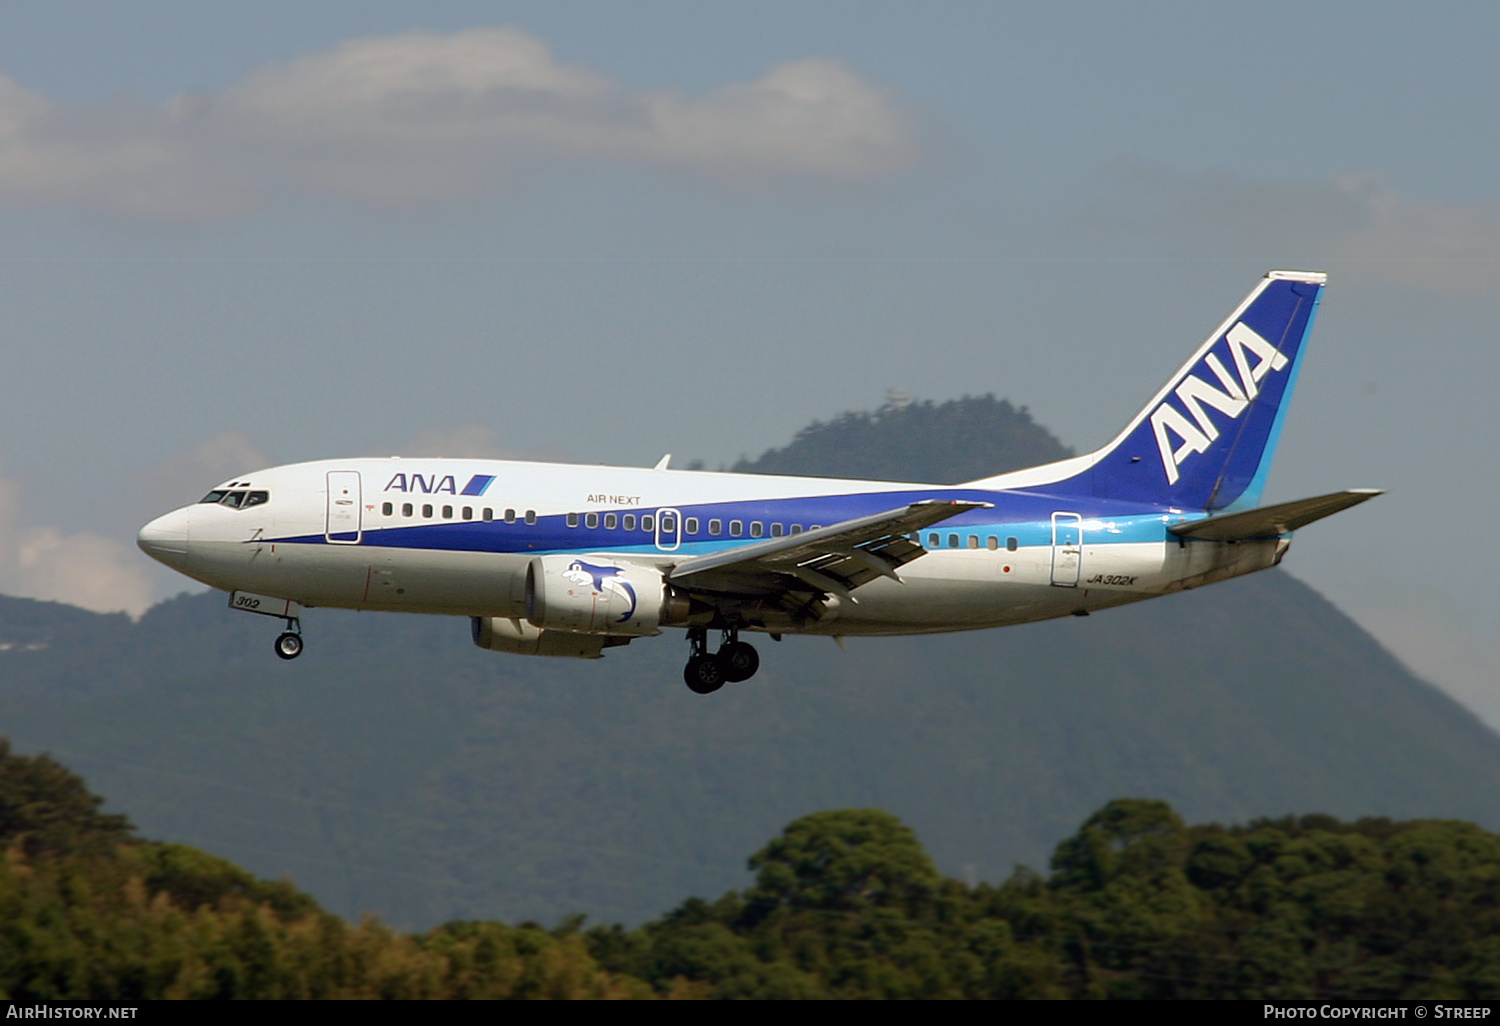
[569,561]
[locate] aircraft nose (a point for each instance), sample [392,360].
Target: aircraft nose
[166,538]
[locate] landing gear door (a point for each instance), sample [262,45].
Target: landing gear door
[344,509]
[1067,549]
[668,529]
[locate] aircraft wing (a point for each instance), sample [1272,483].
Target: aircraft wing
[835,559]
[1273,521]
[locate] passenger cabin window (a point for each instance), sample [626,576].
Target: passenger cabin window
[629,523]
[531,516]
[932,541]
[447,512]
[736,528]
[510,516]
[489,514]
[1010,545]
[992,542]
[669,525]
[591,520]
[796,528]
[716,527]
[406,509]
[387,508]
[776,531]
[572,519]
[757,529]
[427,512]
[691,525]
[648,522]
[468,512]
[973,541]
[953,541]
[611,521]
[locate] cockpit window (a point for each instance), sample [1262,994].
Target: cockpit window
[236,500]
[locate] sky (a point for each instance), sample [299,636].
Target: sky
[235,235]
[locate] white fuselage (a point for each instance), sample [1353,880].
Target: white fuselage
[402,535]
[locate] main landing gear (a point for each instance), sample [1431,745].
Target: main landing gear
[289,641]
[735,661]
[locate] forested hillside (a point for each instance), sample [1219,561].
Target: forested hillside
[843,903]
[396,769]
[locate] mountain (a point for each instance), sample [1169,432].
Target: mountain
[943,443]
[397,769]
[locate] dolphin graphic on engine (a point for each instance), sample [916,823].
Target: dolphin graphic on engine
[602,578]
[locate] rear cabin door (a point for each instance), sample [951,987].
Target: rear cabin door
[344,524]
[1067,549]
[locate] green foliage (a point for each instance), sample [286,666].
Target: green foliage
[1138,905]
[88,912]
[845,861]
[845,904]
[44,807]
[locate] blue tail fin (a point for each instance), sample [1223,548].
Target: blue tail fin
[1205,441]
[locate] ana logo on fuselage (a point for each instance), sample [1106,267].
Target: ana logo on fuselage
[1239,391]
[432,484]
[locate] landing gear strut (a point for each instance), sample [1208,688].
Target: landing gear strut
[706,673]
[289,642]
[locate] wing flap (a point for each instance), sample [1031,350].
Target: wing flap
[836,559]
[1273,521]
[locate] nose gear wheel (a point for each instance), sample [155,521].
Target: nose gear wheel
[289,641]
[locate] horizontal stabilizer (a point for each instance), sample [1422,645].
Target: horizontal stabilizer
[1273,521]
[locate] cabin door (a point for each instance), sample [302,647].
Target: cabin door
[344,508]
[1067,549]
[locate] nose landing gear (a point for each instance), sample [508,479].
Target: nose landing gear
[289,641]
[706,673]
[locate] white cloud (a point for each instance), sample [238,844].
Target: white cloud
[1355,219]
[417,117]
[186,476]
[82,569]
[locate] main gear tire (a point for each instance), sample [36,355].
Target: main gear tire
[740,661]
[704,674]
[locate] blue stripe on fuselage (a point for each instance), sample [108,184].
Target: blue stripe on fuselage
[1020,515]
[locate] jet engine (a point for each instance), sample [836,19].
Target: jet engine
[570,593]
[504,634]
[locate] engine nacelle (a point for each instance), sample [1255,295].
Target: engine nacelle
[503,634]
[569,593]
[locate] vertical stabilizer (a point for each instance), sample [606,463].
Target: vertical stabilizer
[1205,441]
